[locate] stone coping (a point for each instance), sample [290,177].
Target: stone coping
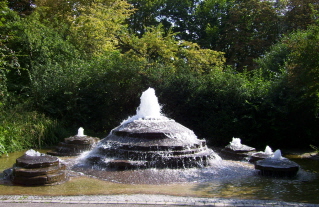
[144,199]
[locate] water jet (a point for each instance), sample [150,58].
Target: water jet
[261,155]
[75,145]
[235,150]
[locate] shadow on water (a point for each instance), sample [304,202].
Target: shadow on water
[223,179]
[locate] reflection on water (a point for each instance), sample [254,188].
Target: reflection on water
[223,179]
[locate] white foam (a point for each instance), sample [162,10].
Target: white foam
[33,153]
[236,142]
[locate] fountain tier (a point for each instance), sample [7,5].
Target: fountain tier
[149,139]
[75,145]
[34,168]
[147,143]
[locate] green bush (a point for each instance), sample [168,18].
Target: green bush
[214,106]
[20,130]
[291,108]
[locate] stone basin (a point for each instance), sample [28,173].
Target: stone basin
[27,161]
[74,146]
[258,156]
[40,169]
[277,167]
[237,152]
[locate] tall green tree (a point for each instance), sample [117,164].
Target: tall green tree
[210,17]
[23,7]
[180,15]
[157,46]
[147,13]
[96,28]
[251,28]
[9,63]
[293,61]
[92,26]
[302,62]
[300,14]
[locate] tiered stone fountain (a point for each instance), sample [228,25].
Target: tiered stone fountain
[149,140]
[75,145]
[34,168]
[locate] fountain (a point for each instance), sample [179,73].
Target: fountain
[150,140]
[277,165]
[261,155]
[236,150]
[35,168]
[75,145]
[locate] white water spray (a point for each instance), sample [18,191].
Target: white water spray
[33,153]
[277,155]
[236,142]
[268,150]
[80,132]
[149,107]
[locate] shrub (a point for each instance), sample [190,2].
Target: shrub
[20,130]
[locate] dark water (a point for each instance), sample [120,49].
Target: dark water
[223,179]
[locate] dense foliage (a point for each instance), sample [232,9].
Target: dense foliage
[223,68]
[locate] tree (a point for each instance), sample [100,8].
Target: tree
[95,29]
[180,15]
[301,14]
[296,56]
[210,17]
[147,13]
[156,46]
[302,62]
[251,28]
[294,61]
[90,25]
[8,58]
[23,7]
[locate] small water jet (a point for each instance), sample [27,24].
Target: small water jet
[75,145]
[80,132]
[261,155]
[150,140]
[35,168]
[236,150]
[276,165]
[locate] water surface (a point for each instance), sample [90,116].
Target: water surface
[224,179]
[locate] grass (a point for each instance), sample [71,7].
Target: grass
[21,130]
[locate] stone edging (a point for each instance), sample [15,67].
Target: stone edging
[145,199]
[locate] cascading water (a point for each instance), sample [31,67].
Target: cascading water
[149,139]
